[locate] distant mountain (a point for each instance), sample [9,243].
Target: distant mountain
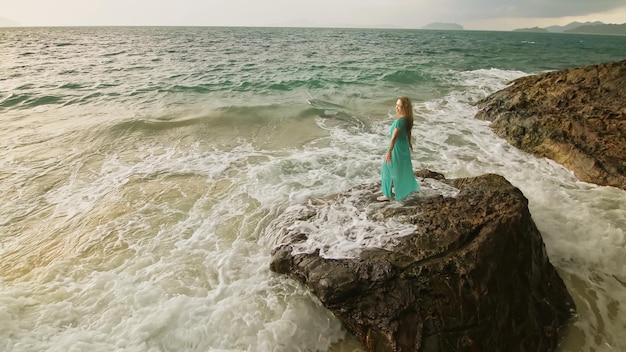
[444,26]
[571,26]
[533,29]
[618,29]
[5,22]
[578,27]
[557,29]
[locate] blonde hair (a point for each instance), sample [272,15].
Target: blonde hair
[406,110]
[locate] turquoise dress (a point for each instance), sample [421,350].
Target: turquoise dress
[399,172]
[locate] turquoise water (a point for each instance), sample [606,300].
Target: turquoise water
[140,166]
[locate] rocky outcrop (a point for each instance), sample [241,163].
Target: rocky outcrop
[576,117]
[468,271]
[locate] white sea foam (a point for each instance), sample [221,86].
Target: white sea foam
[201,282]
[341,229]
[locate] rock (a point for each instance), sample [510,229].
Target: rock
[467,271]
[576,117]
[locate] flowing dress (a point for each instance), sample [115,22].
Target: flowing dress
[399,172]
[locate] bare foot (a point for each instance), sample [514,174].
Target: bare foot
[382,199]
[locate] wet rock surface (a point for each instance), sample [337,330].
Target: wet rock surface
[471,274]
[576,117]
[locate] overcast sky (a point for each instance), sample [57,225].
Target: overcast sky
[471,14]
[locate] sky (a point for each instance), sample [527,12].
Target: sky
[471,14]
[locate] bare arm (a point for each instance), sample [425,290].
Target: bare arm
[394,136]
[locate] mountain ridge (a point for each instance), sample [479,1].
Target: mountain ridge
[444,26]
[595,27]
[5,22]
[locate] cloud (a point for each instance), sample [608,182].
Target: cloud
[361,13]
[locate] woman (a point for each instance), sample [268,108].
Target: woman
[397,170]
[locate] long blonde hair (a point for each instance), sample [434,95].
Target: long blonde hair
[406,110]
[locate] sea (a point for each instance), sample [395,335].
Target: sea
[140,168]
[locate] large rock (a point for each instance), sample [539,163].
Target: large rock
[467,271]
[576,117]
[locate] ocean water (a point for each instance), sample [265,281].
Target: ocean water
[139,168]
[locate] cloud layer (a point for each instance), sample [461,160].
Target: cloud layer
[482,14]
